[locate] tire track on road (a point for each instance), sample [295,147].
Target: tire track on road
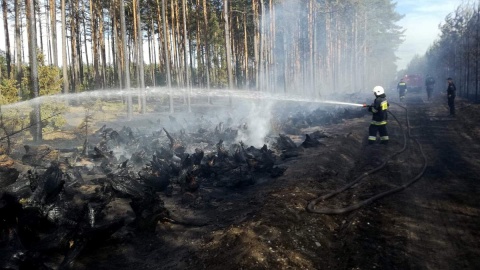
[446,212]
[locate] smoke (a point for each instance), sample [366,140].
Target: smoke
[257,123]
[254,116]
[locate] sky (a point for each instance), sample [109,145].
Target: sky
[421,21]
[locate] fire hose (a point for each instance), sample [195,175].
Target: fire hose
[311,205]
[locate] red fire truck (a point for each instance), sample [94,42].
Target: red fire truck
[414,82]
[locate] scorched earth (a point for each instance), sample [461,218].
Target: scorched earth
[173,199]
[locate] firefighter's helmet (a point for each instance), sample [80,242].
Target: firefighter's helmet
[378,90]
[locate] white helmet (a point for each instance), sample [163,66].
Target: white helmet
[378,90]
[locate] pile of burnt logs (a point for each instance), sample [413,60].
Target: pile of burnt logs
[70,199]
[57,202]
[287,148]
[45,221]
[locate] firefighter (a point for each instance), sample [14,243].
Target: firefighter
[429,84]
[402,89]
[379,119]
[451,93]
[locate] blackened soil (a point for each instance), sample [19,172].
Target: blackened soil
[432,224]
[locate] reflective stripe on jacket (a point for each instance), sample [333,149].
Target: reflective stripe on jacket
[401,86]
[379,109]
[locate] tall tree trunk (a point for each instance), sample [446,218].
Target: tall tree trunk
[73,44]
[161,38]
[311,38]
[174,42]
[126,62]
[85,45]
[185,45]
[66,86]
[198,49]
[94,35]
[135,51]
[256,43]
[245,48]
[32,52]
[167,57]
[154,55]
[271,49]
[18,46]
[140,58]
[49,36]
[78,45]
[40,26]
[168,44]
[101,40]
[228,46]
[261,59]
[53,32]
[117,51]
[207,48]
[8,57]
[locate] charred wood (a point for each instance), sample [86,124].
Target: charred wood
[148,210]
[99,154]
[287,147]
[41,155]
[8,176]
[310,142]
[125,184]
[175,145]
[285,143]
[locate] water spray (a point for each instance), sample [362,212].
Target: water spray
[161,91]
[343,103]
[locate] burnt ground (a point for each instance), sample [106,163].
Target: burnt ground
[432,224]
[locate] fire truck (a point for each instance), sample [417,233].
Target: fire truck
[414,82]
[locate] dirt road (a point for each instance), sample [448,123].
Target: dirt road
[433,224]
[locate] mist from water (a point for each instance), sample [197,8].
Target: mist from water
[161,92]
[251,112]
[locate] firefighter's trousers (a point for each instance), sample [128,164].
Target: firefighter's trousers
[372,133]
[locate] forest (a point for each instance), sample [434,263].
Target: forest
[307,48]
[456,53]
[209,134]
[276,46]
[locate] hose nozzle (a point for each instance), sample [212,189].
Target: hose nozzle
[366,106]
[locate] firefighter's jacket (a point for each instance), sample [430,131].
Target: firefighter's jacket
[451,90]
[430,82]
[379,109]
[402,86]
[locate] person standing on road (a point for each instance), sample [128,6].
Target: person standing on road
[379,118]
[451,93]
[429,85]
[402,89]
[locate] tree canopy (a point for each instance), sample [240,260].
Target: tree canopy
[311,48]
[456,53]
